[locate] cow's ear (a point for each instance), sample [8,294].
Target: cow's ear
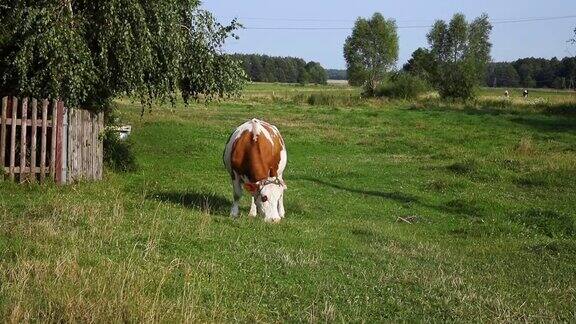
[252,187]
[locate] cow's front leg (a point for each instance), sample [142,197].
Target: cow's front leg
[281,211]
[253,210]
[237,192]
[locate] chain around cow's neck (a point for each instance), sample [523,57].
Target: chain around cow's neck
[268,181]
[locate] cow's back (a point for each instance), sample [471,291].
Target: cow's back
[254,151]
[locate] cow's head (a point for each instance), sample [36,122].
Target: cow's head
[267,195]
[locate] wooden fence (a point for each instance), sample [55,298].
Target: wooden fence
[41,139]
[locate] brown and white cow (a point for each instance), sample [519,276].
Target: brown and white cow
[255,156]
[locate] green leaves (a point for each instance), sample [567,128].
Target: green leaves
[87,52]
[371,51]
[45,55]
[460,52]
[206,70]
[421,64]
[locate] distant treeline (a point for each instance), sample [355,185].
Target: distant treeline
[334,74]
[525,73]
[264,68]
[533,73]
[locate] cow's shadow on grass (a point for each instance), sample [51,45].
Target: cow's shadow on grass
[455,207]
[205,202]
[394,195]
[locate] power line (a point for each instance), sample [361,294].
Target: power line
[324,28]
[297,28]
[520,20]
[291,19]
[494,22]
[312,19]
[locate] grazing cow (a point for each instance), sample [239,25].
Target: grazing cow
[255,156]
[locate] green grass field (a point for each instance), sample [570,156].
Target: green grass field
[395,211]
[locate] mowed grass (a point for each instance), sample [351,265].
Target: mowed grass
[395,211]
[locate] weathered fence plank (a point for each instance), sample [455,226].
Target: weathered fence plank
[13,138]
[85,152]
[80,144]
[33,130]
[3,132]
[23,127]
[57,129]
[43,140]
[74,144]
[100,143]
[91,139]
[53,139]
[79,163]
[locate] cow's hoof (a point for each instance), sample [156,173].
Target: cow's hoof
[273,220]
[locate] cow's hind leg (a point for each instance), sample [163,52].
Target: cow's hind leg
[237,192]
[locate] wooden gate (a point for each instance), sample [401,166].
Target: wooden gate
[41,139]
[85,147]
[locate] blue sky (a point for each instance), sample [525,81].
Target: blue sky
[545,38]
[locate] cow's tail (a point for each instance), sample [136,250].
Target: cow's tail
[255,129]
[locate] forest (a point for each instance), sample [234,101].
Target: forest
[533,73]
[264,68]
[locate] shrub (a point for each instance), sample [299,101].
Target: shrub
[118,155]
[402,86]
[457,82]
